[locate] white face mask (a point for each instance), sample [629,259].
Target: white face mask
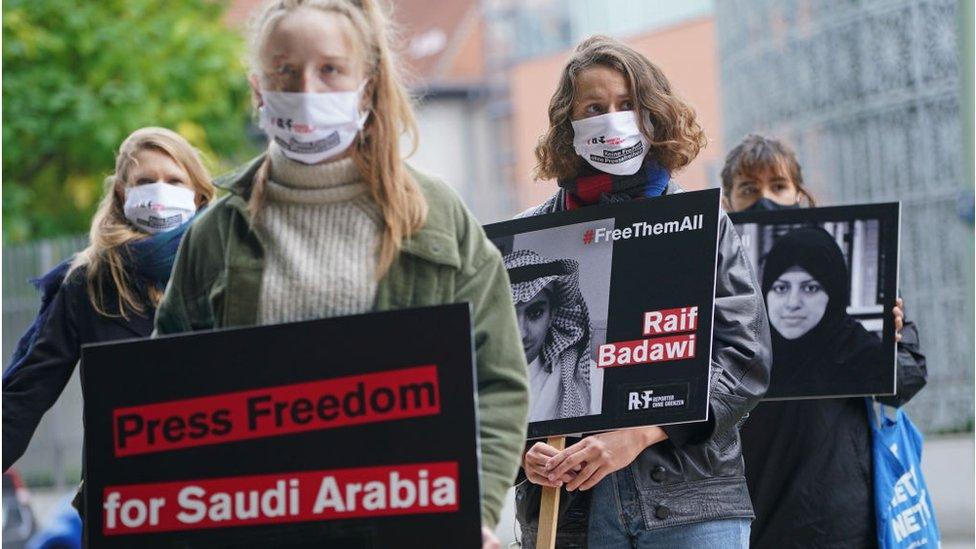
[159,207]
[611,143]
[312,127]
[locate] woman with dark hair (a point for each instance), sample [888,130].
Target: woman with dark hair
[762,174]
[556,336]
[808,462]
[816,344]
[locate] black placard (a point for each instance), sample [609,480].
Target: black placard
[820,350]
[352,432]
[584,282]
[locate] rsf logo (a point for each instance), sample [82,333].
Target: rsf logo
[639,400]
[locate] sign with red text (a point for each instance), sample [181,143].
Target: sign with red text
[615,307]
[351,432]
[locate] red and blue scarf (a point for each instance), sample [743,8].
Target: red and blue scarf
[592,186]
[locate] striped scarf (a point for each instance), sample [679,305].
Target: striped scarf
[592,186]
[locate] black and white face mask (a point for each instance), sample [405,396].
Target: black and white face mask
[766,205]
[159,207]
[312,127]
[611,143]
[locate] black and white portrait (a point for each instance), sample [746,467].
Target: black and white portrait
[825,292]
[588,284]
[560,291]
[817,344]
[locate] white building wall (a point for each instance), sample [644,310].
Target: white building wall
[456,145]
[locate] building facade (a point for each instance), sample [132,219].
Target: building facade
[868,93]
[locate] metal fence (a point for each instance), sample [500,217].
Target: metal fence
[54,455]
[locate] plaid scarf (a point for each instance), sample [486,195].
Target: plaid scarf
[592,186]
[567,347]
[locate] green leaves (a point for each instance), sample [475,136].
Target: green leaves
[78,77]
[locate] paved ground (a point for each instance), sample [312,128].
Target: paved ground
[948,463]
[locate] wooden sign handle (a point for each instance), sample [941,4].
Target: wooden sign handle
[549,508]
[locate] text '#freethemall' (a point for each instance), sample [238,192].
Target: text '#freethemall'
[272,411]
[643,229]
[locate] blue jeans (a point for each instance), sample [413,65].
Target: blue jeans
[617,522]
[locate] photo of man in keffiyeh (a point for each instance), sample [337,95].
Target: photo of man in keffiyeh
[556,336]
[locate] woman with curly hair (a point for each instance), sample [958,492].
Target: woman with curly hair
[617,132]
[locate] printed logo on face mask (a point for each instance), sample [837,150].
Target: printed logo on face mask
[611,156]
[602,140]
[291,125]
[311,147]
[612,142]
[160,223]
[312,127]
[155,206]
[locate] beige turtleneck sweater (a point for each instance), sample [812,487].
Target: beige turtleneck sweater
[320,229]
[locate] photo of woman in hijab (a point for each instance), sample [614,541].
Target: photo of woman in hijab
[556,336]
[818,349]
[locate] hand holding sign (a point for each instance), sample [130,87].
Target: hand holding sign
[534,462]
[602,454]
[899,313]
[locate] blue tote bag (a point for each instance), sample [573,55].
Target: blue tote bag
[902,504]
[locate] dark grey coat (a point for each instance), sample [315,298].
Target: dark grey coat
[697,474]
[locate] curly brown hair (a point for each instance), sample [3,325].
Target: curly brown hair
[677,136]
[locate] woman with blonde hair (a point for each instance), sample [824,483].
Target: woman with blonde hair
[330,221]
[617,131]
[110,290]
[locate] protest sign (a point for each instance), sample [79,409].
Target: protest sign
[829,277]
[615,307]
[347,432]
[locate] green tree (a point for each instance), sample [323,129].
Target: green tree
[80,76]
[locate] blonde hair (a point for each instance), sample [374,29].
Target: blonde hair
[105,256]
[377,151]
[677,136]
[756,153]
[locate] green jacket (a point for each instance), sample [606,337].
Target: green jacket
[216,283]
